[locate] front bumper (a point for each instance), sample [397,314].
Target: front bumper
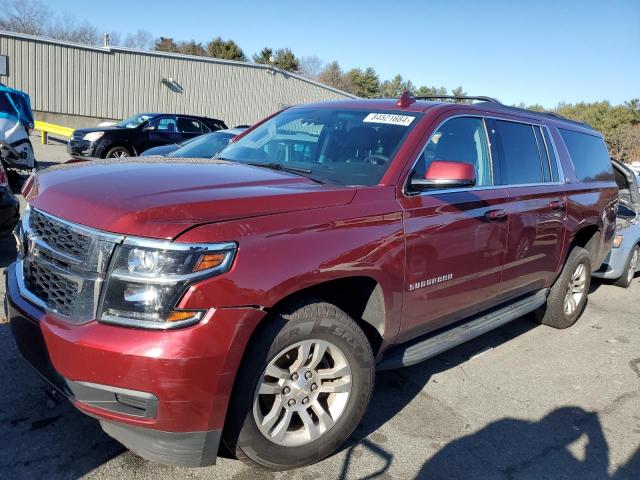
[164,395]
[82,148]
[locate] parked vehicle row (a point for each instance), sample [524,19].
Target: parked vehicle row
[16,123]
[204,146]
[133,135]
[248,302]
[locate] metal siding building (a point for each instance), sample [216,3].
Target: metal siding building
[68,81]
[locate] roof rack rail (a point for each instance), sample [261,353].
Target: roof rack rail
[457,97]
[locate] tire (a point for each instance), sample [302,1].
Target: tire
[118,152]
[563,308]
[303,330]
[630,269]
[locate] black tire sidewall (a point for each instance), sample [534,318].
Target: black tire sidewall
[118,148]
[283,333]
[624,281]
[554,314]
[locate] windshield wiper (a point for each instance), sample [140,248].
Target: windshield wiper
[303,172]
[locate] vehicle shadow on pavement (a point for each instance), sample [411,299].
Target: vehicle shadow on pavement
[42,435]
[567,443]
[507,448]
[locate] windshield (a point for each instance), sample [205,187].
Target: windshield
[205,146]
[133,122]
[344,147]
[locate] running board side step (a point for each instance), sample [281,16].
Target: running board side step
[416,352]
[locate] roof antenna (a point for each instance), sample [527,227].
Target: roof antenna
[405,100]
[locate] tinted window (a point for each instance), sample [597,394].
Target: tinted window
[205,146]
[589,156]
[346,147]
[191,125]
[163,124]
[460,139]
[520,157]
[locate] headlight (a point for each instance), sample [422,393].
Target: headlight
[93,136]
[147,278]
[617,241]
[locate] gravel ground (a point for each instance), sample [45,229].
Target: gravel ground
[522,402]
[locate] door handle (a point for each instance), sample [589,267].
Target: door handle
[495,215]
[557,205]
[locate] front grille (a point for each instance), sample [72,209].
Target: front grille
[56,291]
[59,236]
[61,265]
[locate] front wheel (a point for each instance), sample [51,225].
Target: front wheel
[303,387]
[118,152]
[630,269]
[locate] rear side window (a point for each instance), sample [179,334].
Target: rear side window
[589,156]
[520,154]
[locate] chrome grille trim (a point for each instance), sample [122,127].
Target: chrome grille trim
[64,266]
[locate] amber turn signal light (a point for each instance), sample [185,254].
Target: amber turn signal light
[209,260]
[180,316]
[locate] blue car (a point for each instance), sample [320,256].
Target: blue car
[204,146]
[621,265]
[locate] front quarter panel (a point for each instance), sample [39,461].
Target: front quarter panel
[281,254]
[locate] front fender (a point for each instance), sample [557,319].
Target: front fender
[279,255]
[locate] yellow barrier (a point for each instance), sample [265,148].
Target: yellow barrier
[47,128]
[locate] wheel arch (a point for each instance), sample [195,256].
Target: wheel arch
[360,297]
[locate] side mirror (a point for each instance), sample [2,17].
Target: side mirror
[149,128]
[446,174]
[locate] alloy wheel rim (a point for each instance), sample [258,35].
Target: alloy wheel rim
[575,289]
[119,154]
[633,265]
[302,393]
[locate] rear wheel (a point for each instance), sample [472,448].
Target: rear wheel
[568,296]
[118,152]
[630,269]
[303,387]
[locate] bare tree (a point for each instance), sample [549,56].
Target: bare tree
[24,16]
[66,28]
[141,39]
[311,66]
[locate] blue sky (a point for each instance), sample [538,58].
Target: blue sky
[545,51]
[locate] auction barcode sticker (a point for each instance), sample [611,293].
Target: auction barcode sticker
[389,118]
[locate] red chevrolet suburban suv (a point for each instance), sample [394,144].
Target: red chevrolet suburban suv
[248,300]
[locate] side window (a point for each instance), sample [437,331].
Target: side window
[163,124]
[191,125]
[589,156]
[461,139]
[521,162]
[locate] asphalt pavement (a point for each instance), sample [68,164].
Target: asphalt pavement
[522,402]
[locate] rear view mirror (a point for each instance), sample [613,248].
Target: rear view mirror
[446,174]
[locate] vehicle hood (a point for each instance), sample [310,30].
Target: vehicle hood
[160,198]
[631,184]
[84,131]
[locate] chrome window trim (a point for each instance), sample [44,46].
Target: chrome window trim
[561,177]
[409,194]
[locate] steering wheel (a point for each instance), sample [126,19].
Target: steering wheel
[376,159]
